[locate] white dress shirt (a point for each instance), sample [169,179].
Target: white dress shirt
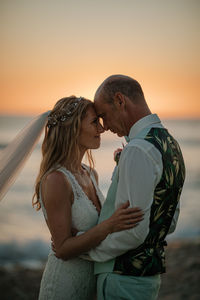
[140,170]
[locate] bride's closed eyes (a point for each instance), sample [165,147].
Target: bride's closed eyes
[95,121]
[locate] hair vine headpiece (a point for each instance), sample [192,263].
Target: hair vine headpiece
[63,114]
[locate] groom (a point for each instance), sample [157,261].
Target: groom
[150,174]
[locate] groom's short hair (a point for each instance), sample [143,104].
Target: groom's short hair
[123,84]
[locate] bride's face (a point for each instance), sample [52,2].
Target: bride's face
[91,130]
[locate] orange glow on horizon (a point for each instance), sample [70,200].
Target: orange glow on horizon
[63,48]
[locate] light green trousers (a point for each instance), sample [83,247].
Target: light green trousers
[111,286]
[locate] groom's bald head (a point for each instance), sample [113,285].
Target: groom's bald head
[119,102]
[119,83]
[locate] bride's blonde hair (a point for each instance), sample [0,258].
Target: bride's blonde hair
[60,145]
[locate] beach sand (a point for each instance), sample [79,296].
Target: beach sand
[180,282]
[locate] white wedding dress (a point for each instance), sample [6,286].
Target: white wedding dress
[74,278]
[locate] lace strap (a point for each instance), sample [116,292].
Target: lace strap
[91,173]
[96,186]
[92,176]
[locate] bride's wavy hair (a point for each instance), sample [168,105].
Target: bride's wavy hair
[60,145]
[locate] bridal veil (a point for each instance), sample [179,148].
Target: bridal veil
[14,156]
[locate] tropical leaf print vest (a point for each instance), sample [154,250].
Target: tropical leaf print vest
[149,258]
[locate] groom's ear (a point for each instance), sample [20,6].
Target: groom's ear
[119,100]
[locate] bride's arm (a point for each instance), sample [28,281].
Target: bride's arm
[58,198]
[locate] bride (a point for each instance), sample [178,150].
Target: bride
[68,193]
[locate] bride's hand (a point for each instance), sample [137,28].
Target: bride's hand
[125,218]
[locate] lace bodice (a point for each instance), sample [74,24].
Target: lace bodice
[84,212]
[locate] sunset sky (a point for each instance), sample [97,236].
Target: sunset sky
[56,48]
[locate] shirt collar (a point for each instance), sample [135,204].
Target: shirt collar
[147,121]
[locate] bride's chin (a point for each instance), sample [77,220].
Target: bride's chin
[96,146]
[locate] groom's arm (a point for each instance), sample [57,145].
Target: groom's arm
[140,170]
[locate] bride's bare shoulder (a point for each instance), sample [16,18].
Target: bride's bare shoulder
[55,177]
[56,184]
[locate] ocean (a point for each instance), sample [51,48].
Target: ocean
[24,237]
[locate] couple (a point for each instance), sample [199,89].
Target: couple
[150,174]
[91,238]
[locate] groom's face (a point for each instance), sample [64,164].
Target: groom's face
[110,116]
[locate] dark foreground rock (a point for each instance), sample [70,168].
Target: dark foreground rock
[182,279]
[19,283]
[181,282]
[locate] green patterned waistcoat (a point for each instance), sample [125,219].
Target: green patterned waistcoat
[149,258]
